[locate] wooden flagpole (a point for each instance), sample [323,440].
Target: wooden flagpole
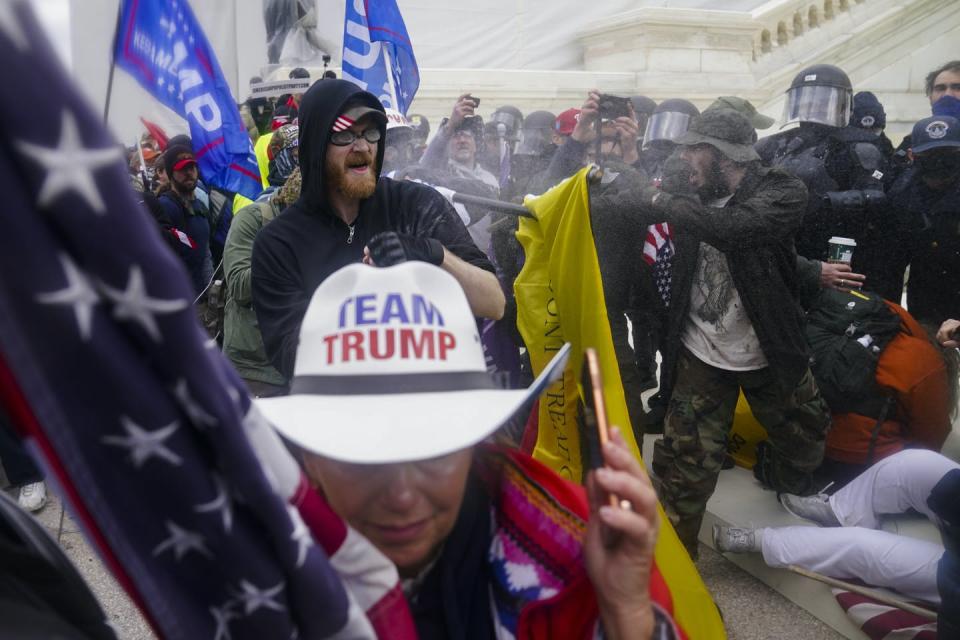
[924,613]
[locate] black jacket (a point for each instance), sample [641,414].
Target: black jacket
[943,501]
[755,230]
[843,170]
[921,228]
[308,242]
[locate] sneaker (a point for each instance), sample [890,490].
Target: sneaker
[33,496]
[734,540]
[815,508]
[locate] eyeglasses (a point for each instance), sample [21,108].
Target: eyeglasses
[347,137]
[432,469]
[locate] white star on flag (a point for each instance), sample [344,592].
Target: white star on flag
[254,598]
[222,616]
[144,444]
[133,303]
[10,24]
[301,535]
[78,293]
[182,541]
[191,407]
[70,165]
[220,503]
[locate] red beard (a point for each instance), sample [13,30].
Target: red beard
[352,185]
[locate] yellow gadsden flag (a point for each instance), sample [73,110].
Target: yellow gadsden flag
[560,299]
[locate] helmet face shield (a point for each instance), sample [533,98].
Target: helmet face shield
[666,125]
[533,142]
[826,105]
[510,122]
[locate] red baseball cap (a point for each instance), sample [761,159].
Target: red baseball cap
[183,163]
[566,121]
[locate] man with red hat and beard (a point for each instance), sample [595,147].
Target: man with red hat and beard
[347,213]
[188,213]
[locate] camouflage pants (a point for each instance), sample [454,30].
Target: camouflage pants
[699,418]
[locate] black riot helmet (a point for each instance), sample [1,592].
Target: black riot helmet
[643,105]
[511,119]
[669,121]
[537,133]
[821,94]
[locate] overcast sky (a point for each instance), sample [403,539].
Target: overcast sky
[55,16]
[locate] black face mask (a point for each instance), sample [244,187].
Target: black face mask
[940,166]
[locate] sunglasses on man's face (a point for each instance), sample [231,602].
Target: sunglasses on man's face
[347,137]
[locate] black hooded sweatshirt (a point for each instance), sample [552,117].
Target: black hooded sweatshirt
[308,242]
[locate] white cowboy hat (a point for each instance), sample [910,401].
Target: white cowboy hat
[390,369]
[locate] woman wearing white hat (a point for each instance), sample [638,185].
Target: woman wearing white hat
[389,402]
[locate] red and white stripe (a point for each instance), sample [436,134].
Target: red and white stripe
[183,238]
[657,236]
[378,608]
[342,123]
[883,622]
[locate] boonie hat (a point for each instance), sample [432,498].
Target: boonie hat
[757,119]
[729,131]
[390,369]
[935,132]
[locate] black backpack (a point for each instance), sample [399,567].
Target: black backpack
[847,331]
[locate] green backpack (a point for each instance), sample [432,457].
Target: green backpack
[847,331]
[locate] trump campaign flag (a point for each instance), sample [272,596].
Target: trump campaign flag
[161,44]
[186,492]
[560,299]
[377,53]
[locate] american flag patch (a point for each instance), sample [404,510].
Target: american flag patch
[183,238]
[342,123]
[658,252]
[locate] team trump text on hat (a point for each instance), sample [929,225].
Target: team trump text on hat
[384,326]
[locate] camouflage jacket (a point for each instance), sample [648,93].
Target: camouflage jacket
[755,230]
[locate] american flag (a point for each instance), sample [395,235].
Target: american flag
[881,621]
[186,492]
[658,252]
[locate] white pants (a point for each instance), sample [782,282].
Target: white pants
[893,485]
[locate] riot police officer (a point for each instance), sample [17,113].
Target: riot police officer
[501,135]
[841,165]
[669,121]
[533,154]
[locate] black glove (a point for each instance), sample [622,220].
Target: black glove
[390,248]
[854,200]
[676,176]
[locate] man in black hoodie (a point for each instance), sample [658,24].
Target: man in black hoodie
[347,213]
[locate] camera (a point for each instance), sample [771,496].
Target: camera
[327,58]
[613,107]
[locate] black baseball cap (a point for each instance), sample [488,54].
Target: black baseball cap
[936,132]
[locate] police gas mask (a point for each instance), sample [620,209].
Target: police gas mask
[938,165]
